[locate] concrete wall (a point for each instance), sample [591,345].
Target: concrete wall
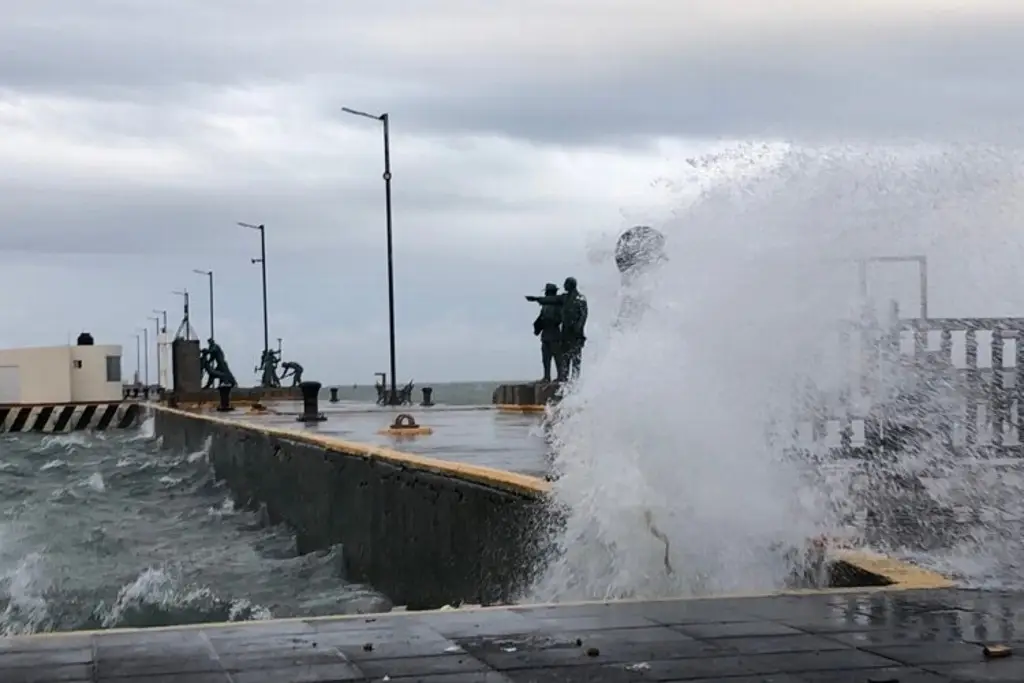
[425,532]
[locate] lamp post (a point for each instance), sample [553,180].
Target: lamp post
[262,260]
[209,274]
[163,329]
[138,358]
[385,121]
[156,323]
[145,356]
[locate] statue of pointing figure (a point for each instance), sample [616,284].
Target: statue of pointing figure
[572,329]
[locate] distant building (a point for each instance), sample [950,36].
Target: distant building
[82,373]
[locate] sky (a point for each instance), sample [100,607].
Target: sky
[135,134]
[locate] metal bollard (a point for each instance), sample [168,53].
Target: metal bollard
[334,394]
[428,396]
[310,403]
[225,398]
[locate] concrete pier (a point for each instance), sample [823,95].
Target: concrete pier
[427,532]
[917,636]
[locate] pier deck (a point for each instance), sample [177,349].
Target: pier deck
[878,635]
[472,435]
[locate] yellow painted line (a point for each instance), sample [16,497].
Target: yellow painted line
[901,575]
[511,408]
[533,487]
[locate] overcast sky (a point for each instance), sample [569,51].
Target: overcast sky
[135,133]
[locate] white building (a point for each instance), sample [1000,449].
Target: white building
[60,374]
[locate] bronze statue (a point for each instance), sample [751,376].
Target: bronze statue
[292,369]
[267,368]
[548,326]
[574,322]
[215,366]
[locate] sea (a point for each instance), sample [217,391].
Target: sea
[110,529]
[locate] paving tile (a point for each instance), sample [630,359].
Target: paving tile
[828,660]
[578,674]
[422,666]
[737,630]
[886,675]
[762,645]
[155,663]
[316,673]
[475,677]
[72,673]
[929,653]
[596,622]
[51,658]
[1003,670]
[172,678]
[714,668]
[43,643]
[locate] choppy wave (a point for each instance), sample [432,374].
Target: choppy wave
[110,530]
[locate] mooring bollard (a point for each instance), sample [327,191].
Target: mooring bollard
[311,403]
[334,394]
[225,398]
[405,425]
[428,393]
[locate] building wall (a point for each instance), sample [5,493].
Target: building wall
[50,374]
[43,374]
[90,380]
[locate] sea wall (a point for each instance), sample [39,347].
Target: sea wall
[425,532]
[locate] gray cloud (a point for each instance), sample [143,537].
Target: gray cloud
[133,136]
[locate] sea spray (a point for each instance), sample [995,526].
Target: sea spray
[668,422]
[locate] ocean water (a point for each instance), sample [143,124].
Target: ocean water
[110,530]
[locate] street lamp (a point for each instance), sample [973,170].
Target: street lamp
[159,375]
[209,274]
[385,121]
[262,260]
[145,345]
[163,328]
[138,358]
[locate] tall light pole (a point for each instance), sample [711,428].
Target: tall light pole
[145,356]
[209,274]
[385,121]
[138,358]
[159,361]
[262,260]
[156,323]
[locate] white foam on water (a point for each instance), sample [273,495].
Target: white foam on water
[665,430]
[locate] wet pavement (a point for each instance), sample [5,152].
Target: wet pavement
[905,637]
[476,435]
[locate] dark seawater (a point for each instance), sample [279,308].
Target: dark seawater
[109,530]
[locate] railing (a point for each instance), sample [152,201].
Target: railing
[984,407]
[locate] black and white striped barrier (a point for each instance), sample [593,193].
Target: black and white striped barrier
[72,417]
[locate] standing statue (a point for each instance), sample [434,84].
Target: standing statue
[574,323]
[215,366]
[292,369]
[548,326]
[268,369]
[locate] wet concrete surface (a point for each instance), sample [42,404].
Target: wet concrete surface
[908,636]
[475,435]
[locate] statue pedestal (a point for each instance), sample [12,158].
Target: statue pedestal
[530,396]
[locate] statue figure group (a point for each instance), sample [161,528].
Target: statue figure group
[383,393]
[269,362]
[215,366]
[561,327]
